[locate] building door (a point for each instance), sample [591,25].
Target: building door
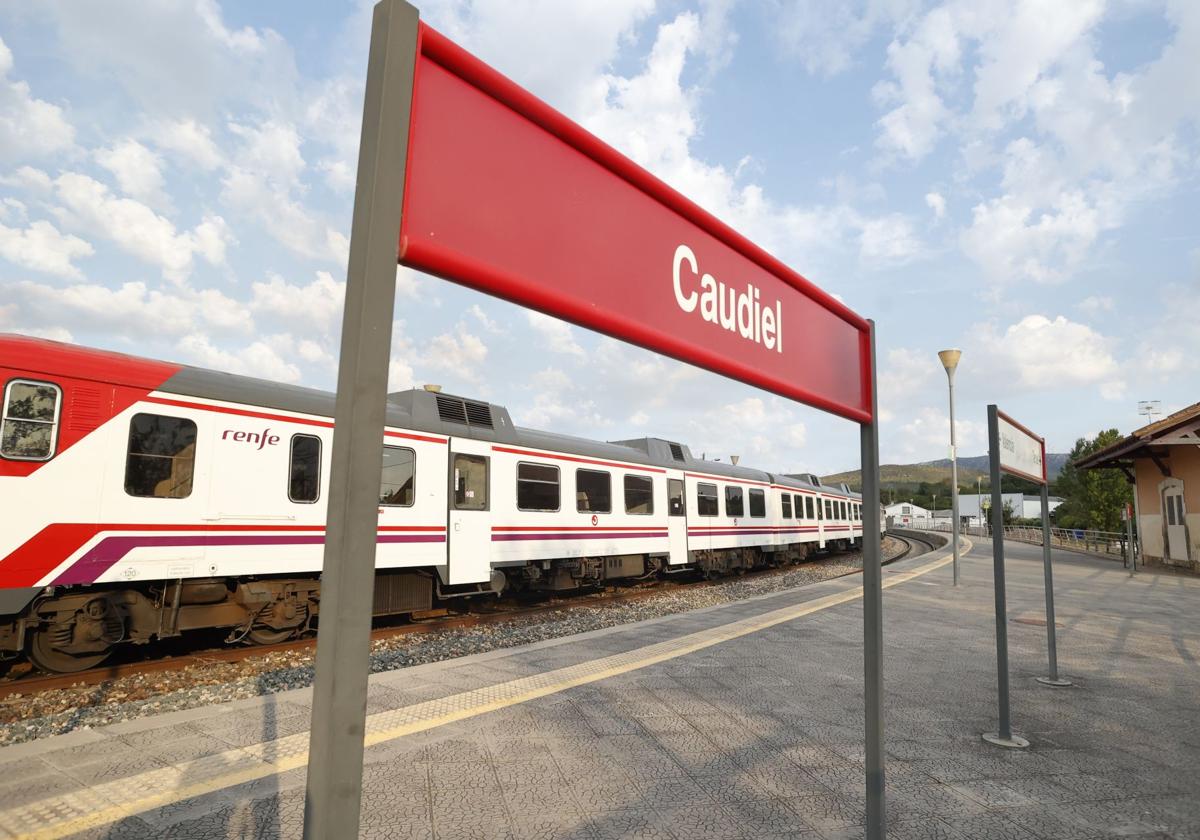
[470,531]
[1176,543]
[677,537]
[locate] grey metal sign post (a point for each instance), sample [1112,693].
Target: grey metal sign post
[1051,628]
[335,754]
[873,616]
[1003,736]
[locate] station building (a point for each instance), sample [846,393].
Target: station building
[1023,506]
[907,515]
[1162,460]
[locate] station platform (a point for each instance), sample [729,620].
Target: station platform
[738,721]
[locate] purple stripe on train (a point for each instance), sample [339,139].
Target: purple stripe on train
[111,550]
[609,536]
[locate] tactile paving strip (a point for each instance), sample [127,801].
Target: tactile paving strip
[99,805]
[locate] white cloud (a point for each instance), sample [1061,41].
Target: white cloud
[926,436]
[42,247]
[937,203]
[826,34]
[639,419]
[137,229]
[460,354]
[180,60]
[29,127]
[263,183]
[486,321]
[130,310]
[258,359]
[190,140]
[761,431]
[1095,304]
[137,169]
[555,334]
[317,305]
[1039,353]
[888,240]
[30,179]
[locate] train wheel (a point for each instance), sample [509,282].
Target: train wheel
[263,635]
[52,660]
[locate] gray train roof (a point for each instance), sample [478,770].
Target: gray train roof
[455,416]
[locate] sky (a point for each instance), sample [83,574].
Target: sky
[1015,179]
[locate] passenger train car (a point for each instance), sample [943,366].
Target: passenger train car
[143,499]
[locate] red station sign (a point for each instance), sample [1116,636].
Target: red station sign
[508,196]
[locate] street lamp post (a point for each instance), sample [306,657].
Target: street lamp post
[950,362]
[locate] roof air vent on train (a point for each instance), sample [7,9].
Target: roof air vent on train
[676,451]
[478,414]
[451,409]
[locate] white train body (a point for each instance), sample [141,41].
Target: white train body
[160,483]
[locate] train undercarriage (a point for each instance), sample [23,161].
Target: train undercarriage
[71,629]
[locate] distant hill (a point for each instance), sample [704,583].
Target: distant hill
[1055,461]
[910,476]
[897,476]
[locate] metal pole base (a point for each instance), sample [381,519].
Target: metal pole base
[1056,683]
[1016,742]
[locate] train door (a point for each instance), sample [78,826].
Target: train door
[469,527]
[677,520]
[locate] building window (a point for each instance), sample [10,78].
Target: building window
[537,487]
[906,510]
[29,424]
[758,503]
[304,473]
[593,491]
[786,499]
[639,494]
[706,499]
[675,497]
[398,478]
[733,502]
[161,457]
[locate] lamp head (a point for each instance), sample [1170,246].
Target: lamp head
[949,359]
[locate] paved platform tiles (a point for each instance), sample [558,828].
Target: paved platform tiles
[738,721]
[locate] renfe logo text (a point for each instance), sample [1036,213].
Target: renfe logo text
[740,313]
[263,438]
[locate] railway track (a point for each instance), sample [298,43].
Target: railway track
[24,681]
[915,546]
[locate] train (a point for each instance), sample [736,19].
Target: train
[144,499]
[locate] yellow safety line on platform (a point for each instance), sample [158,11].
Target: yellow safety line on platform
[100,805]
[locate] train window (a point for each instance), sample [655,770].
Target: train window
[470,482]
[733,502]
[593,491]
[787,505]
[828,509]
[398,478]
[161,457]
[537,487]
[304,476]
[675,497]
[845,512]
[29,424]
[706,499]
[758,503]
[639,494]
[810,507]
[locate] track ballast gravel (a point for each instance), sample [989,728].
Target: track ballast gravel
[54,712]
